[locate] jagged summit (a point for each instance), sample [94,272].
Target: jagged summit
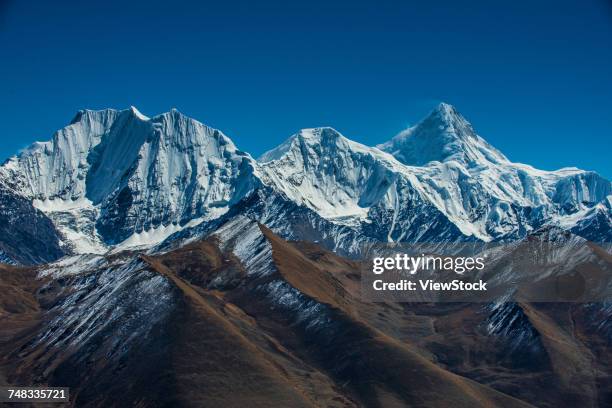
[138,114]
[100,114]
[173,113]
[445,110]
[108,115]
[314,142]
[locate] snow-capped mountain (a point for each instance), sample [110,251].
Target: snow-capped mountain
[499,199]
[348,183]
[444,182]
[112,175]
[120,178]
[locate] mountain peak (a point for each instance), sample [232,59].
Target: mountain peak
[445,108]
[137,113]
[92,115]
[309,136]
[448,116]
[176,116]
[444,135]
[324,134]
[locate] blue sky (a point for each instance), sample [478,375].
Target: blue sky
[533,77]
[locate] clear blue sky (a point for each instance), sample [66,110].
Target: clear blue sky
[534,77]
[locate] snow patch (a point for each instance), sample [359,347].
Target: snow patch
[73,265]
[57,204]
[154,236]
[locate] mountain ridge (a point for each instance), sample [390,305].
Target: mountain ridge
[117,177]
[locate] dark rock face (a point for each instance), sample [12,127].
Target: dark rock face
[520,343]
[596,227]
[27,236]
[295,222]
[114,223]
[415,221]
[420,222]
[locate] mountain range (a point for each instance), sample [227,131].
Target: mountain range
[150,262]
[118,179]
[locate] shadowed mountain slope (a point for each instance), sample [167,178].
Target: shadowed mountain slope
[244,315]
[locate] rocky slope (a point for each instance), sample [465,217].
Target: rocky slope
[243,315]
[27,236]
